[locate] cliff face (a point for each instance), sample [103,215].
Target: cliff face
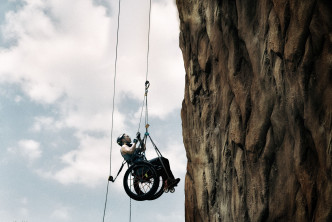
[257,112]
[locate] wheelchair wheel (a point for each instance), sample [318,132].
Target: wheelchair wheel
[141,181]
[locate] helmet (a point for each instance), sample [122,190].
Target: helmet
[119,140]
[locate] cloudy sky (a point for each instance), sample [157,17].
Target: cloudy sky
[56,88]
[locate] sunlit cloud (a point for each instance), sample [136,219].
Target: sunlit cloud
[28,149]
[47,123]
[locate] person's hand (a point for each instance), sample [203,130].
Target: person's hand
[135,141]
[138,135]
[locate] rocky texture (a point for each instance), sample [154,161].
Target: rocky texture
[257,111]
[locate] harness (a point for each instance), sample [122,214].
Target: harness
[136,156]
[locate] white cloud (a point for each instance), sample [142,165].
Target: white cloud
[29,149]
[65,57]
[88,165]
[57,53]
[43,122]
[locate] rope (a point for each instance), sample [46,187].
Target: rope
[148,51]
[106,200]
[113,101]
[129,209]
[147,84]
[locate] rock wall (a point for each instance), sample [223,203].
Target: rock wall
[257,112]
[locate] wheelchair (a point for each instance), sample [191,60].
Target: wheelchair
[144,181]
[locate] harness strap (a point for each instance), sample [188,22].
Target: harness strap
[111,178]
[158,154]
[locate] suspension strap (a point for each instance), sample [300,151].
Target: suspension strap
[110,178]
[158,154]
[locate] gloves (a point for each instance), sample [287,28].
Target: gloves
[138,135]
[135,140]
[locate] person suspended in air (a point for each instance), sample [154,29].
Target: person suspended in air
[130,153]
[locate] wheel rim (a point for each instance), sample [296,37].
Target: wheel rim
[142,182]
[160,189]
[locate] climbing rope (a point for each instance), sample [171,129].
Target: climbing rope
[147,53]
[113,102]
[129,209]
[147,83]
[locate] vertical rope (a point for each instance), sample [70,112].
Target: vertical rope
[130,210]
[113,101]
[148,51]
[106,200]
[147,73]
[114,81]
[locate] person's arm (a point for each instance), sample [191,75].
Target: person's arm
[128,149]
[142,145]
[138,136]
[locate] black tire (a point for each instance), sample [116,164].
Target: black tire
[141,181]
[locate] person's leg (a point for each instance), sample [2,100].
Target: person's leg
[168,173]
[168,177]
